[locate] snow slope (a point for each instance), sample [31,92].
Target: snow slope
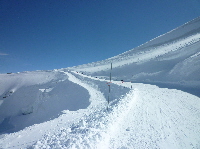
[80,107]
[172,58]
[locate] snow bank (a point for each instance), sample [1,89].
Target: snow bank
[172,57]
[31,98]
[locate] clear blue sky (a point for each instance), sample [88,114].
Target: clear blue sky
[53,34]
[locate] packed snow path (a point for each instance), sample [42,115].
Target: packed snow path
[144,117]
[147,117]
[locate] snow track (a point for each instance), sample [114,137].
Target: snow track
[95,129]
[158,122]
[95,95]
[146,117]
[138,116]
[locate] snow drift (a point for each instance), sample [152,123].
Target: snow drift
[171,58]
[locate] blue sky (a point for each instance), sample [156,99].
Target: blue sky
[53,34]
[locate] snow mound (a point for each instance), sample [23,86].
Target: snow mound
[31,98]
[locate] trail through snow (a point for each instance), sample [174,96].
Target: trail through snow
[146,117]
[138,116]
[77,108]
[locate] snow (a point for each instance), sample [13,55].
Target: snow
[157,104]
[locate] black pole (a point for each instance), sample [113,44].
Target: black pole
[109,86]
[110,71]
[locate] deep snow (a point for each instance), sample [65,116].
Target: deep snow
[157,104]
